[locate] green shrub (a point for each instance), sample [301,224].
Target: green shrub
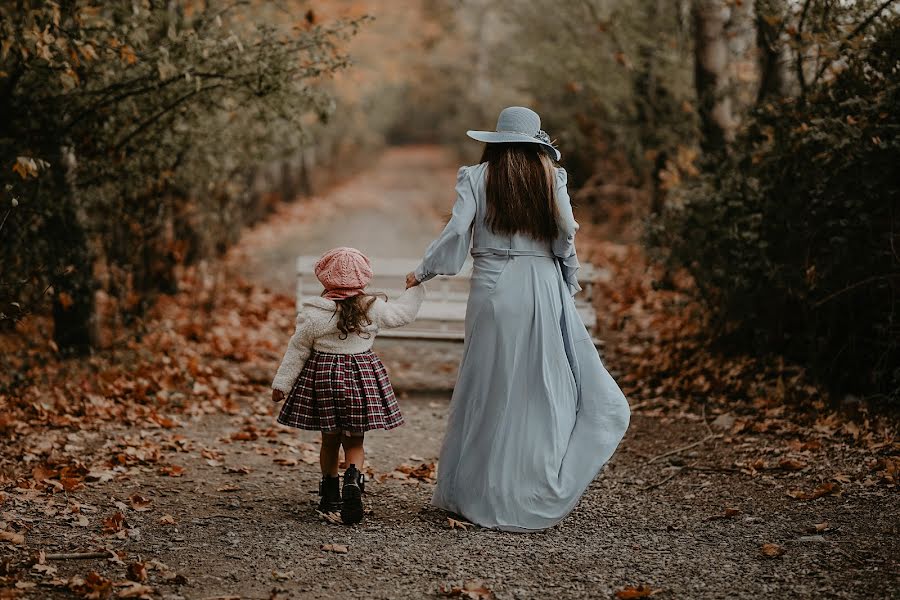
[794,240]
[134,136]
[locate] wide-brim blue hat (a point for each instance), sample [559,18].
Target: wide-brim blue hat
[517,124]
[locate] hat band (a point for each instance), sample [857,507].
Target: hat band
[540,136]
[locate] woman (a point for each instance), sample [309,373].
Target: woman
[534,414]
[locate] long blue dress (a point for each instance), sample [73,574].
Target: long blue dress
[534,414]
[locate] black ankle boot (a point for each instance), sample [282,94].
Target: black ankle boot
[354,486]
[330,494]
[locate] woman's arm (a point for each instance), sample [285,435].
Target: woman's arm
[567,226]
[298,351]
[399,312]
[446,254]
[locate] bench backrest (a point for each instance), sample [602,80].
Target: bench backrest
[443,314]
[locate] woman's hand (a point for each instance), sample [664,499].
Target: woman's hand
[411,280]
[277,395]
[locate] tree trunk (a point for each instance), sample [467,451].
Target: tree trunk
[711,74]
[775,79]
[72,277]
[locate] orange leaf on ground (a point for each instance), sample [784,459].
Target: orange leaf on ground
[10,536]
[473,590]
[454,524]
[171,470]
[641,591]
[424,472]
[137,572]
[826,489]
[114,523]
[791,464]
[771,550]
[336,548]
[139,503]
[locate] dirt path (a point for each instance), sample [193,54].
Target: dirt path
[682,509]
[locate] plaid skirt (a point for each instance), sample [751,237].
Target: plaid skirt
[342,393]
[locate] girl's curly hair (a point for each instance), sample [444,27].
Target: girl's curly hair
[353,314]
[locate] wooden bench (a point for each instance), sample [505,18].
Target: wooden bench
[443,314]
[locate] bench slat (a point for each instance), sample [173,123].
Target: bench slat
[442,316]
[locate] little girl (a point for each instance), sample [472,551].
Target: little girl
[333,381]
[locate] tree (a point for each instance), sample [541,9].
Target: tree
[723,47]
[791,239]
[132,122]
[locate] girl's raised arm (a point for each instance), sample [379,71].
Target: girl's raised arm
[446,254]
[295,356]
[399,312]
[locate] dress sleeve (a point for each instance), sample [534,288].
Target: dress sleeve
[298,351]
[564,244]
[399,312]
[446,254]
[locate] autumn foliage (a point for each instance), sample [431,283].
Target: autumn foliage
[141,137]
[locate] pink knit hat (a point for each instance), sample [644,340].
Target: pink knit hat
[344,272]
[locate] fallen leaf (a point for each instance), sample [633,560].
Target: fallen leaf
[282,575]
[331,517]
[728,514]
[42,472]
[424,472]
[114,523]
[171,470]
[92,585]
[240,469]
[136,590]
[474,590]
[167,520]
[139,503]
[10,536]
[827,488]
[336,548]
[454,524]
[820,527]
[44,568]
[641,591]
[771,550]
[229,488]
[137,572]
[791,464]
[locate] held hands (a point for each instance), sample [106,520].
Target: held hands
[411,280]
[277,395]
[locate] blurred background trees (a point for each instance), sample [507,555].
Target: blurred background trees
[751,144]
[132,136]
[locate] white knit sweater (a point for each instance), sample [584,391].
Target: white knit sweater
[317,330]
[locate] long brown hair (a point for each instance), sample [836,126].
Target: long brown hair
[520,193]
[353,314]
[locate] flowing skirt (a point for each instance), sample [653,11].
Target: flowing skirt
[534,414]
[348,393]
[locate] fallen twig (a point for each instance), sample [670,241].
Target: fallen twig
[683,448]
[678,470]
[705,422]
[667,479]
[78,555]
